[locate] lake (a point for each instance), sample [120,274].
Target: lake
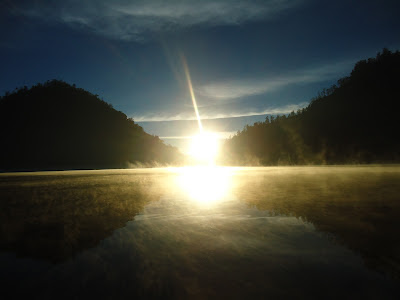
[202,233]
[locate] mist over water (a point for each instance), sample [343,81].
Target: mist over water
[202,232]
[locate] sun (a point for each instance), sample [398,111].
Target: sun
[204,147]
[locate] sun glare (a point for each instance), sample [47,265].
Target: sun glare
[205,184]
[204,147]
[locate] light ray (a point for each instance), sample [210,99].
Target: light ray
[189,81]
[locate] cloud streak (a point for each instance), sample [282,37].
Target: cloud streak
[235,88]
[220,135]
[227,90]
[189,115]
[134,20]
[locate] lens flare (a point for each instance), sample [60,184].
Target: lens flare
[189,81]
[204,146]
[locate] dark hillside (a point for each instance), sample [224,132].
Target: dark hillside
[355,121]
[58,126]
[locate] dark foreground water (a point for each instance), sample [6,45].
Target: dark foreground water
[201,233]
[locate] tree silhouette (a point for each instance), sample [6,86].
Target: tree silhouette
[58,126]
[354,121]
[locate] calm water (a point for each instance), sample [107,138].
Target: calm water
[284,232]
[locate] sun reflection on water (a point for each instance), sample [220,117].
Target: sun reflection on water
[205,184]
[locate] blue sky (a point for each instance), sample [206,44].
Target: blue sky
[247,59]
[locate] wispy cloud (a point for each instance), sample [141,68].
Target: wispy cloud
[238,88]
[232,114]
[233,89]
[220,135]
[132,20]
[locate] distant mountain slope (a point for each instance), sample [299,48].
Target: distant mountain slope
[355,121]
[58,126]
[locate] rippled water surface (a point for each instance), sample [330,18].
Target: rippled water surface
[202,233]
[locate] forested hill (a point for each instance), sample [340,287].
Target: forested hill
[355,121]
[58,126]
